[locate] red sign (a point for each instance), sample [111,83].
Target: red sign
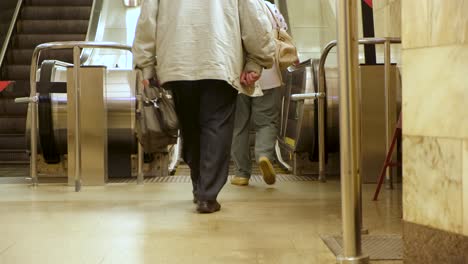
[369,3]
[4,85]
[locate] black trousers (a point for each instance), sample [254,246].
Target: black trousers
[206,111]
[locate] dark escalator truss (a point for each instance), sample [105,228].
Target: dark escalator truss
[39,21]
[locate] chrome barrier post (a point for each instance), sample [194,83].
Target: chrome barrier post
[321,97]
[321,133]
[357,158]
[388,126]
[76,73]
[33,155]
[322,103]
[140,154]
[350,190]
[33,101]
[140,176]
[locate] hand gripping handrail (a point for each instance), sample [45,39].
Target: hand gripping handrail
[33,98]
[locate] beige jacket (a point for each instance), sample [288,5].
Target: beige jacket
[272,78]
[203,39]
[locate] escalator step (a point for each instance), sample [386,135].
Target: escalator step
[60,2]
[12,125]
[17,72]
[13,157]
[23,56]
[55,12]
[5,16]
[9,108]
[12,141]
[52,26]
[25,41]
[20,56]
[7,5]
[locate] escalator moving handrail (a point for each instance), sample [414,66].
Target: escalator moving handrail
[300,65]
[93,28]
[67,45]
[11,28]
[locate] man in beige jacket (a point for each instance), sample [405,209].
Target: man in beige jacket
[205,51]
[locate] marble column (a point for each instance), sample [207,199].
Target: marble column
[435,130]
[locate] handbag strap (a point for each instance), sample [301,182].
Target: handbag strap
[278,23]
[159,112]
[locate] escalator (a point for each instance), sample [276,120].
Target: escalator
[39,21]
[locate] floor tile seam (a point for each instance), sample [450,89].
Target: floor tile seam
[7,248]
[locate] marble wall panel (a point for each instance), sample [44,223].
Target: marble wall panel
[432,182]
[435,91]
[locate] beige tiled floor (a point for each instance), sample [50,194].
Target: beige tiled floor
[156,223]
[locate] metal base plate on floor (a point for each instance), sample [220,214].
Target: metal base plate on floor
[165,179]
[377,247]
[27,180]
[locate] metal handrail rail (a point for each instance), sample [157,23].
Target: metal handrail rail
[321,93]
[305,96]
[10,31]
[131,3]
[386,41]
[332,44]
[300,65]
[322,97]
[33,98]
[62,63]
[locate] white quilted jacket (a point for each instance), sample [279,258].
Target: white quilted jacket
[203,39]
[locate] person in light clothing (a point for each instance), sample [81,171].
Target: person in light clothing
[261,110]
[204,51]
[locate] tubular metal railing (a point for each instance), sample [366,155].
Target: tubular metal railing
[33,100]
[351,201]
[321,94]
[387,41]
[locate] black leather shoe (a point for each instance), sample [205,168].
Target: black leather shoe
[208,207]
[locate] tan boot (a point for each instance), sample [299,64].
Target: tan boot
[239,181]
[268,172]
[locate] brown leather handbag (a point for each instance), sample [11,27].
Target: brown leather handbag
[157,122]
